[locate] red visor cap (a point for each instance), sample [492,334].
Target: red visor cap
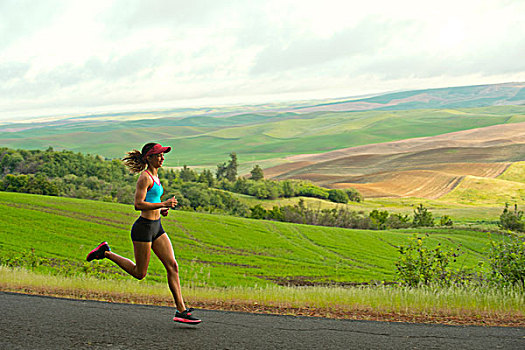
[157,149]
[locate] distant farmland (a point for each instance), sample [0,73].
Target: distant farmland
[422,167]
[405,144]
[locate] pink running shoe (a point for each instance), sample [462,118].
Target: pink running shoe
[186,317]
[98,252]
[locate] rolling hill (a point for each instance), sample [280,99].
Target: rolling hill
[414,143]
[213,250]
[426,167]
[455,97]
[205,136]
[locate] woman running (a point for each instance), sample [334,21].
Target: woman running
[147,233]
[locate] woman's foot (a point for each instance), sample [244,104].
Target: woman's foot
[98,252]
[186,317]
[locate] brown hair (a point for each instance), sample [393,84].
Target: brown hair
[135,160]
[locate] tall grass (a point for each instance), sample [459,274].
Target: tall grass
[452,301]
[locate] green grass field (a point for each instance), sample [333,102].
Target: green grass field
[207,141]
[234,264]
[213,250]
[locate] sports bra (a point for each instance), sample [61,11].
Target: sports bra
[154,192]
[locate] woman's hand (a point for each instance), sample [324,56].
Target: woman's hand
[170,203]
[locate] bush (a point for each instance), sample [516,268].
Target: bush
[422,217]
[337,196]
[397,221]
[507,260]
[379,218]
[420,265]
[258,212]
[512,220]
[445,220]
[310,190]
[354,195]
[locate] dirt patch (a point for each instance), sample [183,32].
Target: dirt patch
[356,313]
[307,281]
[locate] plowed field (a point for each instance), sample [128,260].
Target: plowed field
[427,167]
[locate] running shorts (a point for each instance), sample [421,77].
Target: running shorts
[145,230]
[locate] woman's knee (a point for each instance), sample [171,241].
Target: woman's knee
[140,274]
[172,267]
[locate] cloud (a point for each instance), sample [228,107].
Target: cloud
[102,52]
[20,19]
[366,38]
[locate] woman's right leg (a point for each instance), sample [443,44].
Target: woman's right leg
[142,256]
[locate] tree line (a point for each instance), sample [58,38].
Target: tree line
[346,218]
[69,174]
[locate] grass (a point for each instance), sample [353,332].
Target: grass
[213,250]
[482,191]
[500,306]
[207,141]
[235,264]
[515,172]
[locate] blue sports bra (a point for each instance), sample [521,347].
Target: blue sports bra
[154,192]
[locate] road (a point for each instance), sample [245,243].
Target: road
[36,322]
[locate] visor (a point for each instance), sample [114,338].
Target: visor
[157,149]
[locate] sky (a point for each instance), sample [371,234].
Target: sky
[80,57]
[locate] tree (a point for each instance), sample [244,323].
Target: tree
[354,195]
[206,177]
[257,173]
[379,217]
[221,171]
[512,220]
[422,217]
[337,196]
[187,174]
[231,168]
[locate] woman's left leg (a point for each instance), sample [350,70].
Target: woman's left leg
[164,250]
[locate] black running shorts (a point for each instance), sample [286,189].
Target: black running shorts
[145,230]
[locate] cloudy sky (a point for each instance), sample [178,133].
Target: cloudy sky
[75,57]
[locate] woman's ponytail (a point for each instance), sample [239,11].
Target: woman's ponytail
[135,160]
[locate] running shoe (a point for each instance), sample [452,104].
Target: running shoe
[186,317]
[98,252]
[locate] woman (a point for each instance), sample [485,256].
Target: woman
[147,233]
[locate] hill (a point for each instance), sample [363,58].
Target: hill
[213,250]
[267,133]
[454,97]
[426,167]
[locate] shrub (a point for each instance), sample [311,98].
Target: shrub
[396,221]
[379,218]
[512,220]
[445,220]
[310,190]
[507,260]
[422,217]
[337,196]
[258,212]
[354,195]
[420,265]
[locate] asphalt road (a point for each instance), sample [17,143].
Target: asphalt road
[35,322]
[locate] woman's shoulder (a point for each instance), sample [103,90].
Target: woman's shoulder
[145,177]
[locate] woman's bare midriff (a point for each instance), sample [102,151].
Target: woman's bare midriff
[150,214]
